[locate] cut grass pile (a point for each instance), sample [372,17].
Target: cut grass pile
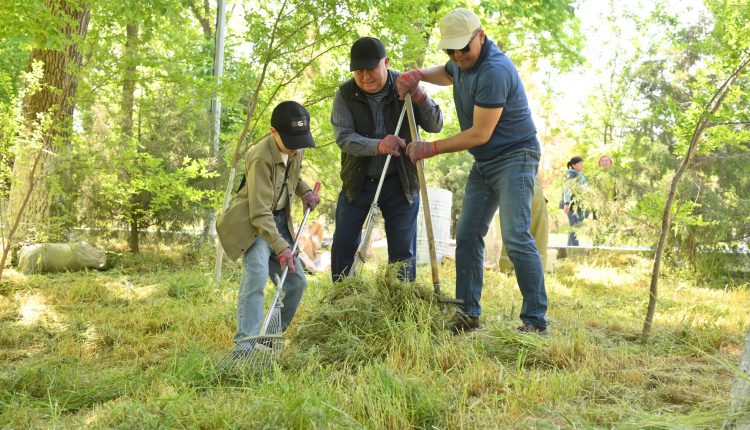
[137,347]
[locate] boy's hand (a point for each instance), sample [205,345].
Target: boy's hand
[286,260]
[310,200]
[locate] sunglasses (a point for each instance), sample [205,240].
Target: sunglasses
[465,49]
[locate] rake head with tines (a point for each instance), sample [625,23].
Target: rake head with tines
[257,353]
[253,354]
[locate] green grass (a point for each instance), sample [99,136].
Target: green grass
[137,346]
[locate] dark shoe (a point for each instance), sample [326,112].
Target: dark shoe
[531,328]
[465,324]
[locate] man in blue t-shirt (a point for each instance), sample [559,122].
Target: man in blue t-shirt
[497,129]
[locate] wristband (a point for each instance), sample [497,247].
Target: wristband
[434,147]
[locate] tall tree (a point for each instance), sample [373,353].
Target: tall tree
[706,117]
[726,58]
[130,77]
[31,199]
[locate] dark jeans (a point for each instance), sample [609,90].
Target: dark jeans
[400,227]
[575,216]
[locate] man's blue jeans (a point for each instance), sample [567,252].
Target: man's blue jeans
[258,262]
[400,227]
[506,182]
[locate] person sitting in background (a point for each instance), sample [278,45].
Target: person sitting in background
[539,228]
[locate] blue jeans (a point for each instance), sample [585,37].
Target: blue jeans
[400,227]
[575,217]
[506,182]
[259,262]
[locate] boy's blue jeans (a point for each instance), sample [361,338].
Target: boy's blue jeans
[507,183]
[259,262]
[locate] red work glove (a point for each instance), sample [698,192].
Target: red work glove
[286,260]
[390,145]
[420,150]
[409,83]
[310,200]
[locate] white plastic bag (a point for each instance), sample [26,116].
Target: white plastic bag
[60,257]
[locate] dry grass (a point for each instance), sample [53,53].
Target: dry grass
[136,347]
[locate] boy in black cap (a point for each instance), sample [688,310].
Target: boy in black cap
[364,117]
[257,225]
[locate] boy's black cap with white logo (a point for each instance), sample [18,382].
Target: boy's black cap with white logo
[366,54]
[292,121]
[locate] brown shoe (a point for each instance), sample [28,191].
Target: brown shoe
[531,328]
[465,324]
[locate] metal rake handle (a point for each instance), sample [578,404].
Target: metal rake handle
[280,283]
[359,255]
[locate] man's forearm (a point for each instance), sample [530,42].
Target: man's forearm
[355,144]
[437,75]
[460,141]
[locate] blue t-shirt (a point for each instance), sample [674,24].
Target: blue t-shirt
[493,82]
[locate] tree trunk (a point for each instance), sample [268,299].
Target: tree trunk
[133,242]
[56,99]
[739,417]
[126,122]
[238,149]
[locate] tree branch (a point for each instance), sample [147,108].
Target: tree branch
[202,17]
[253,103]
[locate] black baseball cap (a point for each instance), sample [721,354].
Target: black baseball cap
[366,54]
[292,121]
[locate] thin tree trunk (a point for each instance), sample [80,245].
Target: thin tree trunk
[126,122]
[238,149]
[33,180]
[710,109]
[57,100]
[241,148]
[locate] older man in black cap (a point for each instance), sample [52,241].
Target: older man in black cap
[365,114]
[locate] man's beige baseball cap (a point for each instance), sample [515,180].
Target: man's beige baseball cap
[456,28]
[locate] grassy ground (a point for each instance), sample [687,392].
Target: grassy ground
[136,347]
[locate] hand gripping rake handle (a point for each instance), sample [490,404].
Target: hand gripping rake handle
[359,256]
[425,203]
[280,284]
